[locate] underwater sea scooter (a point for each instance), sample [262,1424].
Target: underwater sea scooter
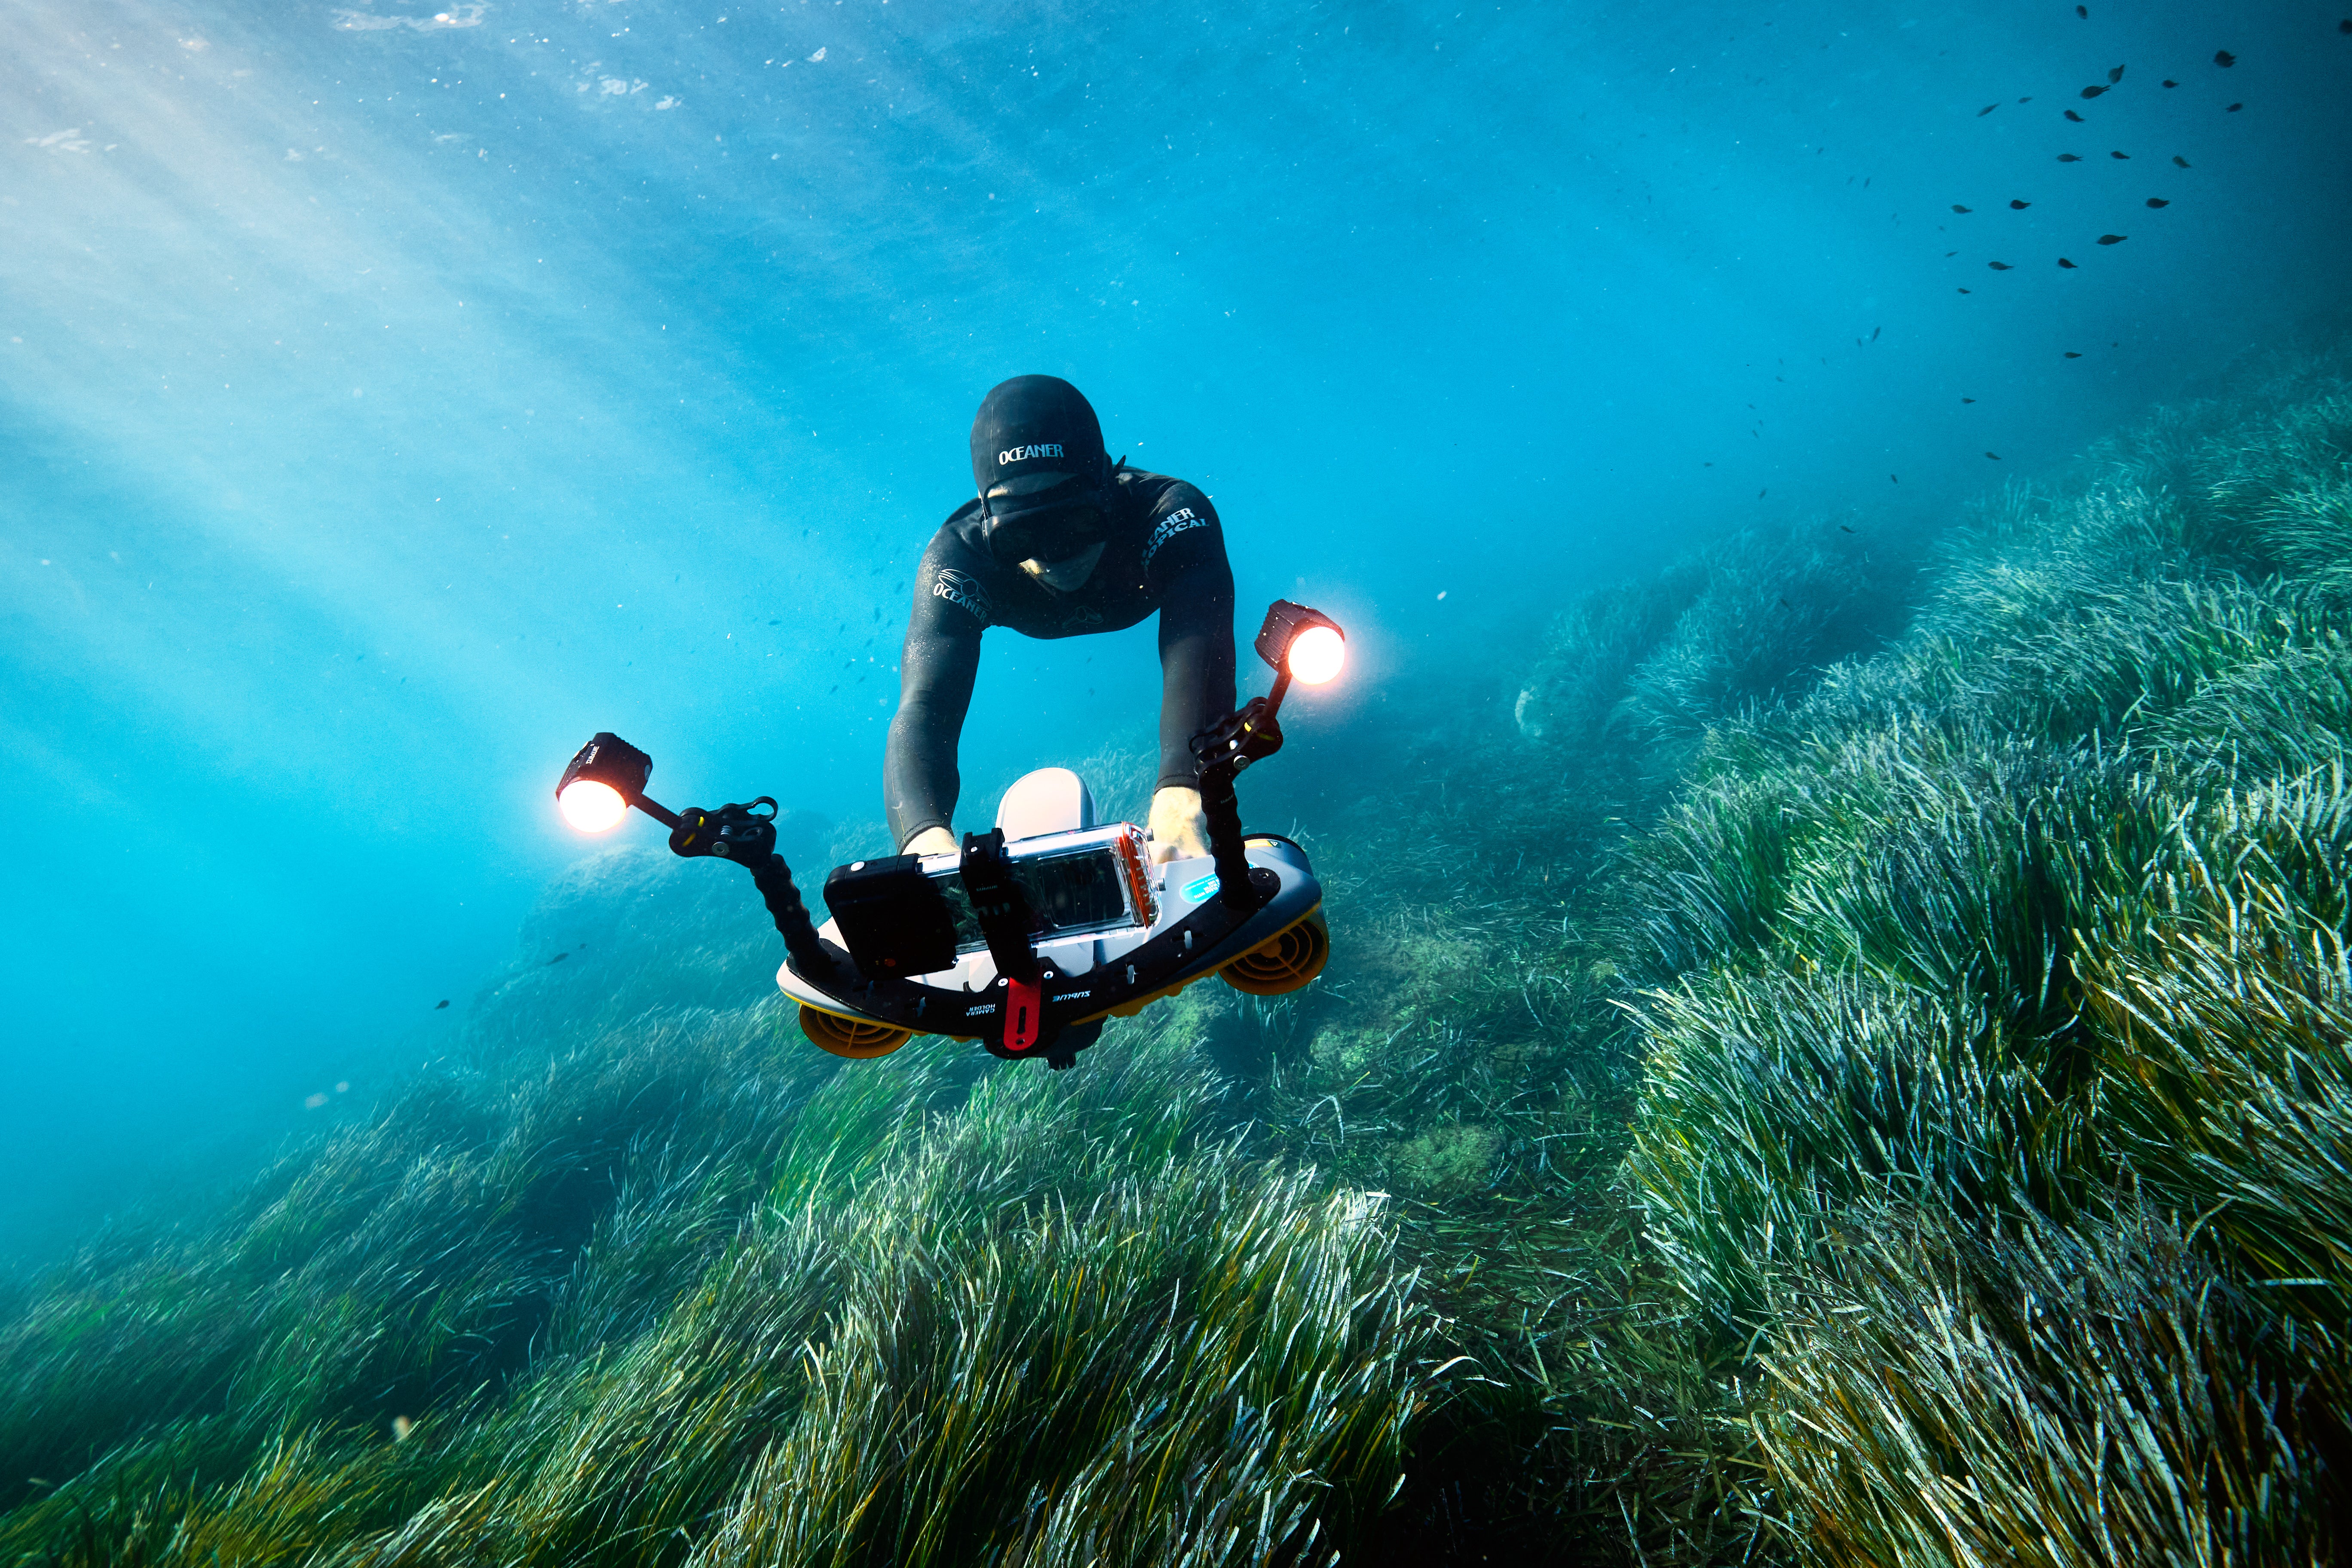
[1045,926]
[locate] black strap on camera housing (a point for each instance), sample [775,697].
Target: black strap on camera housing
[1002,908]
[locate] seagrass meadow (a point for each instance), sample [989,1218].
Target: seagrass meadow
[1838,1057]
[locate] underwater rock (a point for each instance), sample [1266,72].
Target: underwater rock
[1527,713]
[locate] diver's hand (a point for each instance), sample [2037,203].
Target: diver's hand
[932,841]
[1178,830]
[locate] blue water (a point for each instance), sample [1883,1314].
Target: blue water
[391,396]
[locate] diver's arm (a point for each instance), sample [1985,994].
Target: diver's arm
[936,671]
[1196,664]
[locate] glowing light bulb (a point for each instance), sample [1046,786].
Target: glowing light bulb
[590,807]
[1316,653]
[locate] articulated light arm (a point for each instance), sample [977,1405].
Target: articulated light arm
[1298,643]
[608,777]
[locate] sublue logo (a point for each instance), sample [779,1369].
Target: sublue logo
[1198,890]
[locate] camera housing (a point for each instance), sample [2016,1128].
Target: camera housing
[912,915]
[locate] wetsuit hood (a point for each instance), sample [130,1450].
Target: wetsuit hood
[1035,425]
[1038,463]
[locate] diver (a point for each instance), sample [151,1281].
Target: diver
[1060,542]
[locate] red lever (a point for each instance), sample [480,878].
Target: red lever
[1024,1008]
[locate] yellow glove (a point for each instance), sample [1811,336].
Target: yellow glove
[1179,830]
[932,841]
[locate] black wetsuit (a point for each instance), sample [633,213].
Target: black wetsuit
[1163,551]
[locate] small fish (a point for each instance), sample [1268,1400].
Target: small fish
[2224,58]
[2094,91]
[1967,400]
[2115,74]
[2026,99]
[2345,26]
[1994,456]
[1759,494]
[1987,109]
[1949,254]
[439,1005]
[1958,208]
[2112,238]
[2180,160]
[1967,291]
[2158,202]
[2066,264]
[2125,156]
[1873,333]
[1998,266]
[2084,12]
[2170,82]
[2233,108]
[2018,206]
[2072,354]
[558,958]
[775,623]
[2068,158]
[2075,117]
